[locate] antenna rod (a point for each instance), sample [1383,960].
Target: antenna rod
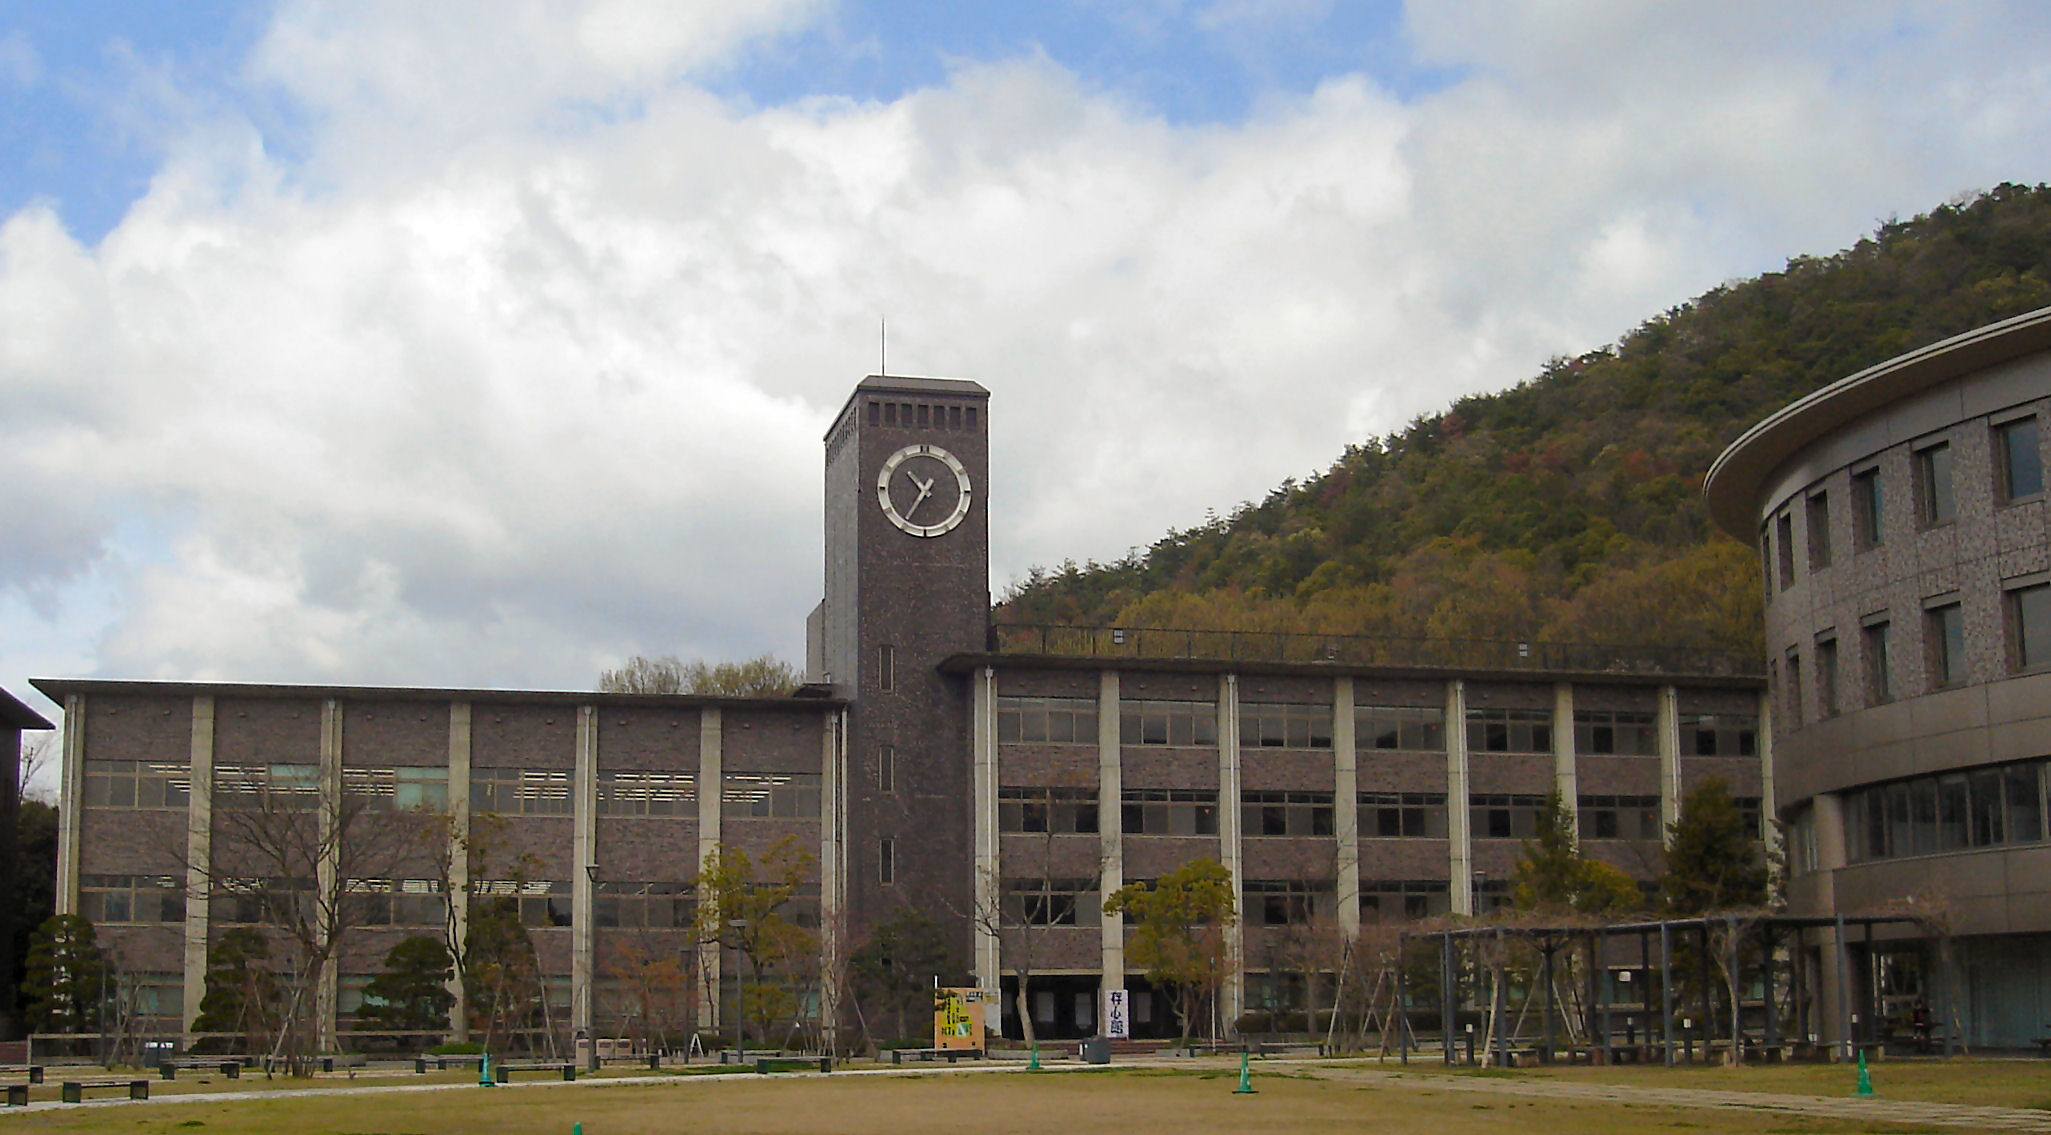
[882,347]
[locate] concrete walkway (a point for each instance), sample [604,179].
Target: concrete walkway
[1870,1109]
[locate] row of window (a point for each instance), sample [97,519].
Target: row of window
[1053,720]
[2026,633]
[922,415]
[1984,807]
[2017,474]
[743,795]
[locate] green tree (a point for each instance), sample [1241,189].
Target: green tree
[412,994]
[35,887]
[764,676]
[1554,877]
[1714,861]
[894,969]
[744,906]
[1181,932]
[242,991]
[66,973]
[502,987]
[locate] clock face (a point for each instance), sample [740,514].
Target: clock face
[923,490]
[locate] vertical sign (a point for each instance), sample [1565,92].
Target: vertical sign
[1116,1024]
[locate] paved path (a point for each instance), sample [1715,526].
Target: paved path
[1870,1109]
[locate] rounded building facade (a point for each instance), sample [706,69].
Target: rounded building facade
[1905,542]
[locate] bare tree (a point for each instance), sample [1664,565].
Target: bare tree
[762,676]
[38,755]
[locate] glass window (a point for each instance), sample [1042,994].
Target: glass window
[1879,669]
[1934,496]
[1188,723]
[1797,708]
[1614,733]
[635,792]
[1784,542]
[1284,902]
[136,784]
[886,861]
[131,898]
[1397,900]
[1509,731]
[1169,811]
[1402,815]
[515,792]
[1818,513]
[1619,817]
[1867,505]
[1286,814]
[769,795]
[1061,811]
[1047,721]
[1505,816]
[1945,628]
[2021,463]
[1720,734]
[1275,725]
[1826,676]
[1050,902]
[1984,807]
[2029,625]
[1413,728]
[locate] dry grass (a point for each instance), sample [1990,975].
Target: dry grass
[2022,1082]
[1071,1103]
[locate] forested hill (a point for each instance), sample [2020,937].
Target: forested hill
[1568,509]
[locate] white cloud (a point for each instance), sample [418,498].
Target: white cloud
[522,361]
[20,63]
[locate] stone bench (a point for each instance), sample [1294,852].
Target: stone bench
[74,1090]
[503,1071]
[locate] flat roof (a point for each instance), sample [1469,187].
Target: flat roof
[1744,470]
[59,688]
[16,715]
[965,663]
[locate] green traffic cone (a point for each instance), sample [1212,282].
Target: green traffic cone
[1245,1087]
[1035,1065]
[484,1071]
[1865,1080]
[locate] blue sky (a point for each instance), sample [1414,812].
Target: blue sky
[488,342]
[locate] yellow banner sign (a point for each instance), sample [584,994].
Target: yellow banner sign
[958,1018]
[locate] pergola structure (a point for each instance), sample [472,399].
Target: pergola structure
[1708,935]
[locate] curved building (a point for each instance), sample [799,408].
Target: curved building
[1901,519]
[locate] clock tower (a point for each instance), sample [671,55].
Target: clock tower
[907,585]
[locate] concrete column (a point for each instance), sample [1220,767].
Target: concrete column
[1566,780]
[1110,832]
[1346,805]
[583,890]
[72,797]
[1233,995]
[986,880]
[1769,808]
[1666,725]
[199,874]
[832,866]
[458,896]
[709,1004]
[1831,852]
[328,872]
[1459,821]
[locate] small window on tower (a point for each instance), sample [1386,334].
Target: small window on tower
[886,767]
[890,413]
[886,667]
[923,420]
[954,417]
[886,861]
[972,417]
[875,414]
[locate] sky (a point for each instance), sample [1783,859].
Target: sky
[490,342]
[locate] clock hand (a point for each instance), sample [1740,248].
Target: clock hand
[925,490]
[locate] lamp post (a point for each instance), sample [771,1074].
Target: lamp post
[740,927]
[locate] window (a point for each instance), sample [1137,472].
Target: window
[1505,816]
[635,906]
[1879,668]
[1818,514]
[1492,895]
[1509,731]
[1273,725]
[136,784]
[540,902]
[1063,811]
[1935,503]
[1867,506]
[1826,675]
[1403,815]
[1945,629]
[886,667]
[1283,902]
[886,768]
[886,861]
[1614,733]
[1050,902]
[131,898]
[1720,734]
[769,795]
[2019,462]
[397,902]
[1751,813]
[1420,729]
[1784,543]
[397,789]
[1169,811]
[275,787]
[1766,560]
[1392,900]
[1057,721]
[1619,817]
[2029,626]
[1797,707]
[1167,723]
[1286,813]
[632,792]
[514,792]
[1994,806]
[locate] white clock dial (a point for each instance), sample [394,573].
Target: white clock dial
[924,490]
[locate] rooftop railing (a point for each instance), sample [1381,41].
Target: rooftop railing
[1369,650]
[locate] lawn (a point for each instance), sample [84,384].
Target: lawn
[2024,1082]
[1129,1102]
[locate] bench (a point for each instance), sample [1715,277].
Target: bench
[503,1071]
[34,1072]
[230,1066]
[767,1064]
[74,1090]
[441,1063]
[900,1055]
[1287,1047]
[17,1094]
